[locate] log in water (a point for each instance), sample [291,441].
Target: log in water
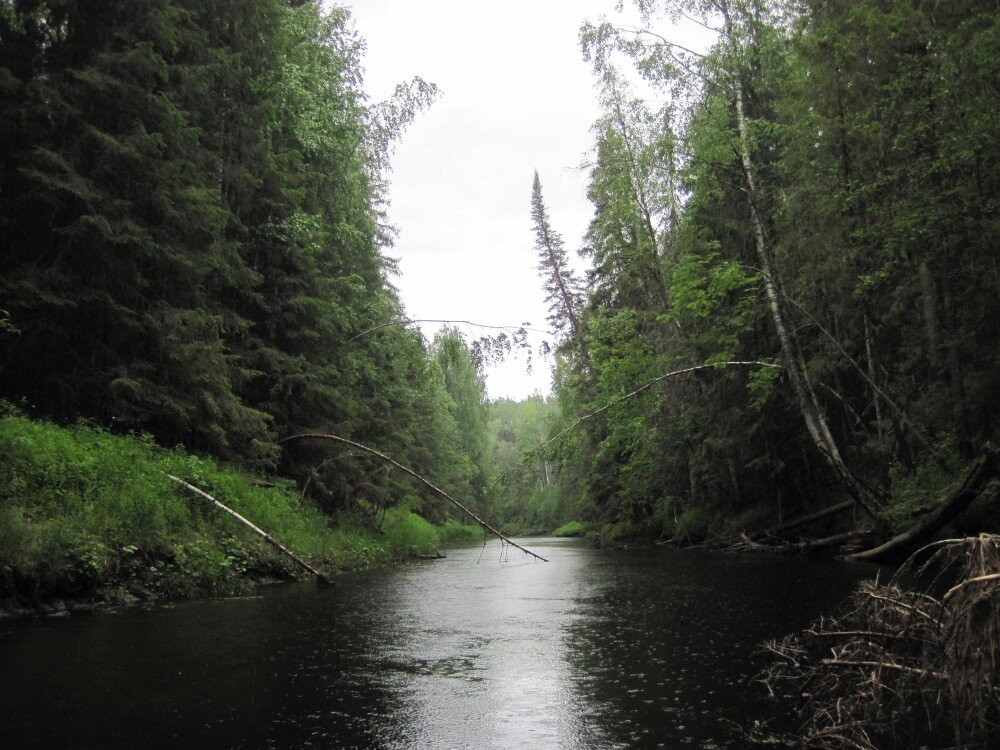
[597,649]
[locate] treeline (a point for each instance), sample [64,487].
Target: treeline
[194,246]
[813,198]
[525,492]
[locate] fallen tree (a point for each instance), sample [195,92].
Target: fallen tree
[804,520]
[432,487]
[201,494]
[984,472]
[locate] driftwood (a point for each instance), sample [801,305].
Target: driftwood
[901,668]
[412,473]
[813,545]
[259,532]
[803,520]
[982,473]
[744,543]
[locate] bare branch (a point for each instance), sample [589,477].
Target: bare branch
[435,489]
[410,321]
[651,383]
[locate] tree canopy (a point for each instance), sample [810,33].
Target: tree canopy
[815,190]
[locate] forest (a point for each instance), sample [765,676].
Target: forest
[195,248]
[814,212]
[784,313]
[792,295]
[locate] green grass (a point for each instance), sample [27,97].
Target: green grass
[82,510]
[408,533]
[573,528]
[454,530]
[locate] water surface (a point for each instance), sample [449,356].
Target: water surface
[595,649]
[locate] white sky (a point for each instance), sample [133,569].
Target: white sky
[516,96]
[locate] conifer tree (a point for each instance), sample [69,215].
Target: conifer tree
[563,289]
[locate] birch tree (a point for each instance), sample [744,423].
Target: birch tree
[742,33]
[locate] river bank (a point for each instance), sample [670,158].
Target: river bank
[90,520]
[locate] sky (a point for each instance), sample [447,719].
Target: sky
[516,96]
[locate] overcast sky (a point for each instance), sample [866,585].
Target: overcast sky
[516,96]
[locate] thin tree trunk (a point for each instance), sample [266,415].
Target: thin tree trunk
[812,413]
[803,520]
[812,545]
[433,488]
[932,326]
[876,403]
[647,219]
[259,532]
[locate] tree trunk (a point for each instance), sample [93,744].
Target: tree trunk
[812,545]
[412,473]
[803,520]
[259,532]
[932,328]
[982,473]
[876,402]
[805,396]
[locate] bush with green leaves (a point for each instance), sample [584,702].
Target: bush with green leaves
[573,528]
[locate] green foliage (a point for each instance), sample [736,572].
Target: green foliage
[82,508]
[465,396]
[453,530]
[870,133]
[194,244]
[916,489]
[408,533]
[714,299]
[525,494]
[693,524]
[752,519]
[573,528]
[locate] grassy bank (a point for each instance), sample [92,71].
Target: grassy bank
[573,528]
[88,516]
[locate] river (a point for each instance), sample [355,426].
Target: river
[595,649]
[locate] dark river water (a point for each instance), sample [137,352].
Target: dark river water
[595,649]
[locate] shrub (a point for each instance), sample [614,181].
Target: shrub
[454,530]
[573,528]
[408,533]
[693,524]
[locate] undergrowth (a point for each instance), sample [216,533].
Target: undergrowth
[82,510]
[573,528]
[410,534]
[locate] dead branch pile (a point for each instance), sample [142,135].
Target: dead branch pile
[912,663]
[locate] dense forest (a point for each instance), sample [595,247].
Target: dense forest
[810,207]
[792,294]
[195,248]
[784,315]
[194,240]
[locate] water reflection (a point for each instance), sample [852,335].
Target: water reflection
[484,655]
[592,650]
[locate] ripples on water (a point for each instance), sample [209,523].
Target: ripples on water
[596,649]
